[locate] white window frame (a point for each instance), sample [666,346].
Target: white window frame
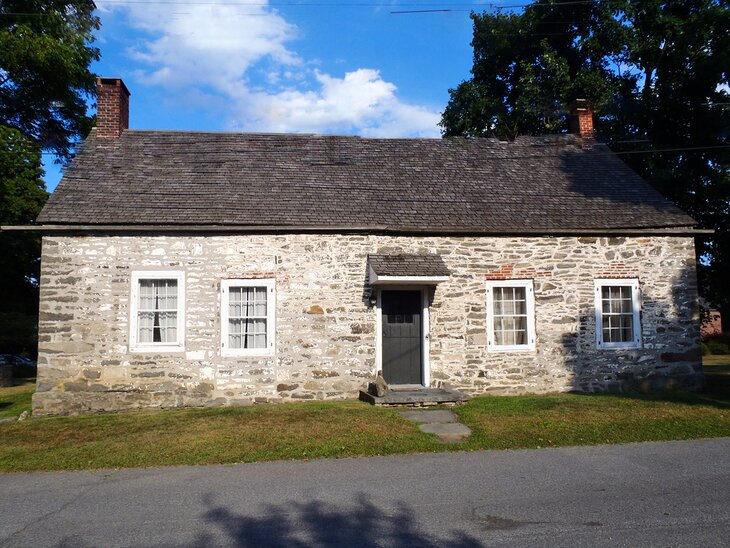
[529,301]
[177,346]
[633,283]
[270,285]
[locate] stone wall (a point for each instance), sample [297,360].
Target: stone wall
[325,327]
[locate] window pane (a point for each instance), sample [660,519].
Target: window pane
[521,305]
[145,321]
[499,324]
[508,323]
[247,333]
[157,311]
[247,302]
[260,341]
[247,317]
[259,326]
[168,327]
[235,328]
[617,309]
[520,323]
[234,293]
[146,295]
[627,331]
[509,319]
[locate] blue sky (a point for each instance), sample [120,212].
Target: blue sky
[323,66]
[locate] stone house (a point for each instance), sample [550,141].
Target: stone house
[185,268]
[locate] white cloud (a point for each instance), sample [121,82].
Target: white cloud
[359,102]
[222,49]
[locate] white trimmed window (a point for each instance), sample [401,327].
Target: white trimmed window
[510,315]
[247,317]
[157,312]
[618,313]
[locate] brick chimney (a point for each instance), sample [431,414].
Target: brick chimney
[580,121]
[112,110]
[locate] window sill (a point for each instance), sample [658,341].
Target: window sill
[246,353]
[619,346]
[503,349]
[157,349]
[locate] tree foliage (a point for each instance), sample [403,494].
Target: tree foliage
[657,73]
[45,80]
[45,54]
[22,195]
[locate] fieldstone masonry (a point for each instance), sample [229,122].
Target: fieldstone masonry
[325,328]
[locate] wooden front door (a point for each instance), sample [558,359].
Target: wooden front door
[402,337]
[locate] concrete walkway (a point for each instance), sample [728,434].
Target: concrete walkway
[445,424]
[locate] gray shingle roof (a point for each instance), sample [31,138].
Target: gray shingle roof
[187,178]
[408,265]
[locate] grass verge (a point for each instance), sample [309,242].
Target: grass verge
[208,436]
[349,428]
[16,399]
[585,419]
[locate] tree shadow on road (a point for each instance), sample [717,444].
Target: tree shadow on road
[317,523]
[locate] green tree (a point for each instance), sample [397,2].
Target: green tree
[657,74]
[22,194]
[45,53]
[45,81]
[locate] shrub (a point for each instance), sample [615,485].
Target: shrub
[716,345]
[18,333]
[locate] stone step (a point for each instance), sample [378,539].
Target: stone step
[416,397]
[451,432]
[431,416]
[444,424]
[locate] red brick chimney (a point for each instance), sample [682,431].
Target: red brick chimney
[112,110]
[580,121]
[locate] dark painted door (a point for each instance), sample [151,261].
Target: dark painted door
[402,337]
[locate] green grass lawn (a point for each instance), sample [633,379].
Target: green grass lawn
[583,419]
[349,428]
[16,399]
[206,436]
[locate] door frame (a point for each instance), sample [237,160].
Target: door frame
[425,326]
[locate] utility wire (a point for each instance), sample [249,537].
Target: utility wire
[435,5]
[360,4]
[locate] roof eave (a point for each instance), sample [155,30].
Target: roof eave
[376,229]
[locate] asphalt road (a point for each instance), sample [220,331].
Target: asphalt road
[658,494]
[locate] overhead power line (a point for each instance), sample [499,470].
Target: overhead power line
[428,6]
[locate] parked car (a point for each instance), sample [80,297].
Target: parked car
[6,371]
[16,359]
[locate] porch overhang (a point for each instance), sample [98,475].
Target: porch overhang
[406,270]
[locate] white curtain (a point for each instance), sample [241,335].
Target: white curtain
[247,317]
[510,315]
[157,311]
